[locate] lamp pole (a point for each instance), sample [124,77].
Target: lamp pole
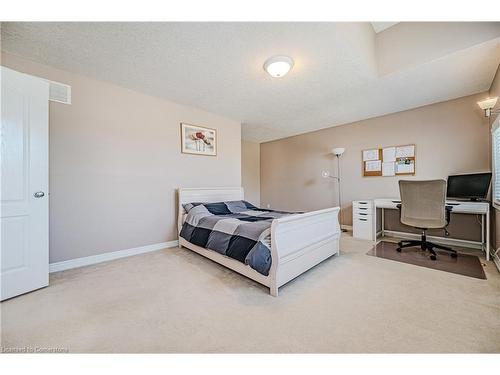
[339,178]
[338,151]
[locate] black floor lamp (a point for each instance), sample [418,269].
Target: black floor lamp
[337,151]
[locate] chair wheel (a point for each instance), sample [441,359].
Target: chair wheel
[453,255]
[433,257]
[398,249]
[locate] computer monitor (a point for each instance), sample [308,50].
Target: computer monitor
[468,186]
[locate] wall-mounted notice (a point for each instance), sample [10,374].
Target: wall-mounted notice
[371,154]
[405,166]
[373,166]
[405,151]
[389,161]
[389,154]
[388,168]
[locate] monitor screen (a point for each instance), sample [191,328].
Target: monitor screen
[469,186]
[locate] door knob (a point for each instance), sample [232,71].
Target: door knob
[39,194]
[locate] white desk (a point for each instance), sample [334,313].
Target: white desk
[463,207]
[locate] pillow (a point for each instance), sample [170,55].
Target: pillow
[236,206]
[229,207]
[217,208]
[189,206]
[222,208]
[249,205]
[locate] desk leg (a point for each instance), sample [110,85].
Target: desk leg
[483,230]
[374,224]
[382,222]
[488,235]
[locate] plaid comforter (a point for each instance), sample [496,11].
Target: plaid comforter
[236,229]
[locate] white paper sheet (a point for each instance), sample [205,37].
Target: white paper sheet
[405,151]
[388,168]
[370,154]
[373,166]
[389,154]
[402,167]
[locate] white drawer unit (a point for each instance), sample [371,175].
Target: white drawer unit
[362,219]
[362,207]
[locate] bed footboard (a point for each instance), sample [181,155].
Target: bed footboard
[299,242]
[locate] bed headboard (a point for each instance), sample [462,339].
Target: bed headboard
[208,195]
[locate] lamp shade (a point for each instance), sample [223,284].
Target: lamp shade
[338,151]
[487,103]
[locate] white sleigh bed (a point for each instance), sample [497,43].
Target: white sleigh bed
[298,242]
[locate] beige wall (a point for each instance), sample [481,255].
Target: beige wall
[250,171]
[115,163]
[495,91]
[450,137]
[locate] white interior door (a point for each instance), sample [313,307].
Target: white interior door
[24,183]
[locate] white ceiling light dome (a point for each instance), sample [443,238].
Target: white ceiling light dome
[278,66]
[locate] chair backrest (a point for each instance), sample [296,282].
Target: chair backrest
[423,200]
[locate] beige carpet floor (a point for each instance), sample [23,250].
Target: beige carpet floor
[177,301]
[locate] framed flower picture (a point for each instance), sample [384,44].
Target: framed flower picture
[198,140]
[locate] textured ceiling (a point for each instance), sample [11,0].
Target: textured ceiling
[218,67]
[381,26]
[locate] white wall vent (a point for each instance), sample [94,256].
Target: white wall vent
[59,92]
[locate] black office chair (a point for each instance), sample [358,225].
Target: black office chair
[423,206]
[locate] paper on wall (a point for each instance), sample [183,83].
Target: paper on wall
[405,167]
[388,168]
[405,151]
[370,154]
[373,166]
[389,154]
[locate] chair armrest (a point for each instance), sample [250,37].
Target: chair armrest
[398,206]
[448,213]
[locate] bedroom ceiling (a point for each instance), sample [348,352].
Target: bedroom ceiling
[343,72]
[381,26]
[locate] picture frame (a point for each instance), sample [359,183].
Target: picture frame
[198,140]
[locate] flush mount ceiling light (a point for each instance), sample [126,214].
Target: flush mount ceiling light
[278,66]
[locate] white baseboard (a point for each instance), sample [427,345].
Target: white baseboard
[497,262]
[94,259]
[495,256]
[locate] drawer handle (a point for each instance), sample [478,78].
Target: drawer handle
[363,213]
[363,202]
[363,219]
[363,208]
